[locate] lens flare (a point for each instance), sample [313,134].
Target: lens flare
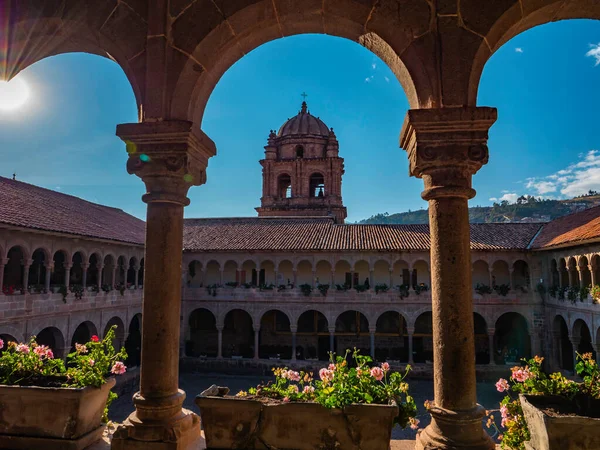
[13,94]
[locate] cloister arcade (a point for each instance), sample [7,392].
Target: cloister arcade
[574,270]
[344,271]
[31,263]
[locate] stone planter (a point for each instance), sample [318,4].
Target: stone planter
[559,432]
[235,423]
[51,418]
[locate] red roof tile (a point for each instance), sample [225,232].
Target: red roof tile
[29,206]
[313,234]
[571,229]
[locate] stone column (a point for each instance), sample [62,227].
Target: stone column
[295,273]
[314,279]
[371,280]
[332,339]
[491,346]
[571,277]
[49,269]
[445,148]
[592,274]
[3,263]
[332,285]
[100,270]
[26,266]
[170,157]
[391,278]
[67,274]
[575,340]
[293,329]
[579,276]
[220,341]
[372,339]
[113,277]
[256,341]
[137,270]
[84,268]
[410,332]
[490,272]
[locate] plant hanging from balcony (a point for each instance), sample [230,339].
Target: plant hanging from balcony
[404,291]
[64,292]
[106,288]
[212,289]
[421,287]
[361,287]
[562,292]
[323,288]
[121,288]
[572,294]
[553,291]
[595,293]
[77,290]
[483,289]
[583,293]
[306,289]
[381,288]
[502,289]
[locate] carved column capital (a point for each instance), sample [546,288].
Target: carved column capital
[169,156]
[446,146]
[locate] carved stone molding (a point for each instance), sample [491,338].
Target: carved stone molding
[169,156]
[446,147]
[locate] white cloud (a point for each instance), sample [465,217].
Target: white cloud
[510,198]
[540,186]
[519,50]
[373,66]
[369,79]
[594,52]
[493,199]
[387,80]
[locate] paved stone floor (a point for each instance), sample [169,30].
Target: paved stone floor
[193,384]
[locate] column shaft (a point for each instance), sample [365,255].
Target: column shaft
[410,347]
[1,278]
[372,337]
[84,268]
[491,347]
[26,277]
[293,346]
[220,342]
[332,341]
[256,342]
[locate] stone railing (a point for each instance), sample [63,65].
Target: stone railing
[586,305]
[240,294]
[17,306]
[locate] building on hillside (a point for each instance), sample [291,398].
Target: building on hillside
[69,269]
[295,282]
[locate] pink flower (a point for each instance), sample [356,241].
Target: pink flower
[295,388]
[521,375]
[118,368]
[502,385]
[385,366]
[414,423]
[49,354]
[92,362]
[377,373]
[23,348]
[331,367]
[504,411]
[308,390]
[43,350]
[499,437]
[1,344]
[81,348]
[326,375]
[293,376]
[286,399]
[94,338]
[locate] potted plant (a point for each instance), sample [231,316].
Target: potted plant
[306,289]
[550,410]
[62,290]
[348,408]
[381,288]
[483,289]
[553,291]
[595,293]
[46,404]
[404,290]
[106,288]
[502,289]
[323,288]
[421,287]
[77,290]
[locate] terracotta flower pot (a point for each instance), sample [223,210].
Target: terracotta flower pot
[231,422]
[51,418]
[562,431]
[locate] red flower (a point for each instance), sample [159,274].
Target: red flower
[95,338]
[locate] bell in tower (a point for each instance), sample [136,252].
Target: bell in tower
[302,172]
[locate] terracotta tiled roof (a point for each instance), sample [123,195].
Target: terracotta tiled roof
[29,206]
[308,234]
[571,229]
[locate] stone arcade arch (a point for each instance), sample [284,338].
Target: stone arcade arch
[83,333]
[37,270]
[14,275]
[391,338]
[133,343]
[482,343]
[238,334]
[313,338]
[352,331]
[53,338]
[563,350]
[423,339]
[119,339]
[203,334]
[511,339]
[275,339]
[582,338]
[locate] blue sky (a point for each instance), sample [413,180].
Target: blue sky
[545,142]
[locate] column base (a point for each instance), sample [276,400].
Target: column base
[181,434]
[455,430]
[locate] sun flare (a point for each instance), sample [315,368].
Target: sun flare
[13,94]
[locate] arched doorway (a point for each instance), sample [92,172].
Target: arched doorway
[391,337]
[423,339]
[119,339]
[203,334]
[13,271]
[53,338]
[352,331]
[482,342]
[312,337]
[563,349]
[275,339]
[133,343]
[37,270]
[83,333]
[512,338]
[582,337]
[238,334]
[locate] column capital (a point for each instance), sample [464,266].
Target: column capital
[4,261]
[410,331]
[169,156]
[446,146]
[27,262]
[293,328]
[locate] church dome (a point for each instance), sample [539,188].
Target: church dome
[304,124]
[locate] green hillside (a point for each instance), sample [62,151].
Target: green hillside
[525,209]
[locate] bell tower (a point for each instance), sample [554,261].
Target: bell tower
[302,172]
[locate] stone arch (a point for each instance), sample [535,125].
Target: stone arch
[37,270]
[285,272]
[284,186]
[60,260]
[586,275]
[391,337]
[194,274]
[362,273]
[563,272]
[423,338]
[563,349]
[131,271]
[249,272]
[481,273]
[521,278]
[482,342]
[14,333]
[381,273]
[110,263]
[510,19]
[304,272]
[582,337]
[313,339]
[512,338]
[203,334]
[275,339]
[119,339]
[238,333]
[258,24]
[572,272]
[323,270]
[316,185]
[22,245]
[420,273]
[53,338]
[14,270]
[595,263]
[352,331]
[94,262]
[343,273]
[500,273]
[212,273]
[121,272]
[401,273]
[267,273]
[554,275]
[83,333]
[133,342]
[77,267]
